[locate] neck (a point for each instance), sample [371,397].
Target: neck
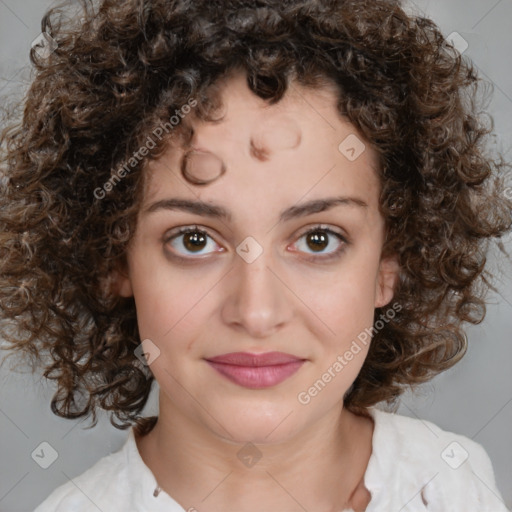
[320,468]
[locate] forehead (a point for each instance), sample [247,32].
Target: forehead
[301,110]
[300,143]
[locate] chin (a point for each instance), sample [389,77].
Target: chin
[257,425]
[255,434]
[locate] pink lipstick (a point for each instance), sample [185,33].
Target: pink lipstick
[256,371]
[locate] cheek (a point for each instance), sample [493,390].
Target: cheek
[171,303]
[341,303]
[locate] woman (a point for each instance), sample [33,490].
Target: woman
[279,212]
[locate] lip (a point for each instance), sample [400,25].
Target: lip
[256,371]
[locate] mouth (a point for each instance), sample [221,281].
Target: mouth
[256,371]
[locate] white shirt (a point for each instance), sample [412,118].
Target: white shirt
[414,467]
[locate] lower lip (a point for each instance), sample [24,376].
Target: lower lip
[257,377]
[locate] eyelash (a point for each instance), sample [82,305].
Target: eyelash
[318,228]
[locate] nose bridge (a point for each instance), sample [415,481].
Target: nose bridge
[258,302]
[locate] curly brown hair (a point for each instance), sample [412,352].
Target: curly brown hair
[125,67]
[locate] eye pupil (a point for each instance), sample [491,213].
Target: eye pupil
[319,239]
[194,240]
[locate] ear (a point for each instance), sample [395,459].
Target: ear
[387,278]
[120,283]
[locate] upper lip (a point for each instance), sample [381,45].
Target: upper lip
[248,359]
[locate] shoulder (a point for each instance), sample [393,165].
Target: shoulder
[417,440]
[441,468]
[100,487]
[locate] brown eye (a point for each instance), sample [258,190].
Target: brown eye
[189,241]
[318,240]
[194,240]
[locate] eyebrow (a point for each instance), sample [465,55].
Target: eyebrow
[218,211]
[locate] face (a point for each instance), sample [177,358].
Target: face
[271,275]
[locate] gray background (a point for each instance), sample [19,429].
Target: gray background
[474,398]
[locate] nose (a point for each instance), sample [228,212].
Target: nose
[258,300]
